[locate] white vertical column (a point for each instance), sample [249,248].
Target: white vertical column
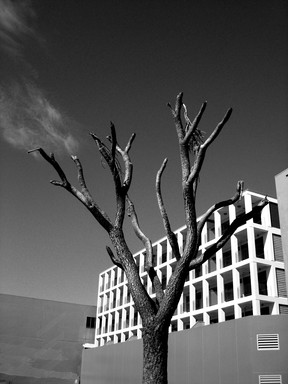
[234,249]
[221,315]
[254,279]
[117,321]
[236,284]
[237,311]
[217,218]
[109,318]
[181,305]
[271,282]
[205,288]
[220,289]
[232,213]
[254,288]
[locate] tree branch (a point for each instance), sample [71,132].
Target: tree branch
[195,171]
[149,251]
[114,143]
[115,260]
[170,234]
[191,127]
[221,204]
[127,162]
[108,157]
[238,222]
[85,198]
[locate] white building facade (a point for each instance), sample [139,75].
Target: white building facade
[245,278]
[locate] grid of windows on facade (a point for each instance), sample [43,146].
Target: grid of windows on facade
[246,277]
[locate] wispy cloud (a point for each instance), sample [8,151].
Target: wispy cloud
[15,18]
[28,120]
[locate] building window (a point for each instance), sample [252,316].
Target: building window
[91,322]
[174,326]
[243,252]
[186,302]
[268,342]
[212,291]
[135,319]
[275,222]
[99,330]
[164,251]
[245,283]
[227,258]
[212,264]
[198,271]
[259,245]
[198,296]
[164,278]
[262,283]
[210,229]
[184,235]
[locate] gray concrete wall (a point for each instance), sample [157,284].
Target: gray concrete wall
[41,340]
[224,353]
[281,181]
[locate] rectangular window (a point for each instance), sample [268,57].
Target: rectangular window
[259,245]
[199,297]
[91,322]
[243,252]
[164,251]
[212,264]
[210,229]
[227,258]
[135,320]
[198,271]
[186,302]
[120,320]
[262,283]
[184,234]
[274,213]
[99,330]
[228,291]
[268,342]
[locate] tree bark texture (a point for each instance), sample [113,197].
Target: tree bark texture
[155,355]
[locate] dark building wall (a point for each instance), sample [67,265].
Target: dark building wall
[224,353]
[41,340]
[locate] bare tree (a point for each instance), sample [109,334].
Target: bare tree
[156,315]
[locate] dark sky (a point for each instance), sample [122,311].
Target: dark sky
[70,67]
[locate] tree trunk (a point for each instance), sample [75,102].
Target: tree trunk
[155,355]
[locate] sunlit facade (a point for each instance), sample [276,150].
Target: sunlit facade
[245,278]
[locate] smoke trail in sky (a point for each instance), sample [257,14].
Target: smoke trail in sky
[27,118]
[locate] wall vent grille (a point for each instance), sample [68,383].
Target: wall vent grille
[270,379]
[268,342]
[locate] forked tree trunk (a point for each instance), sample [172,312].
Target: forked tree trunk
[155,355]
[156,320]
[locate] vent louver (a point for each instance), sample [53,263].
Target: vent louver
[268,342]
[270,379]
